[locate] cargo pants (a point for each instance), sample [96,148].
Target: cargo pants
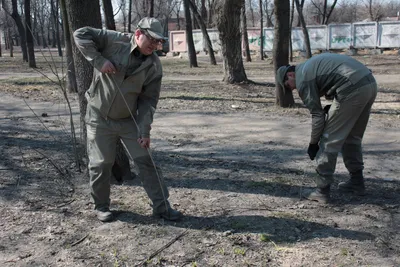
[344,130]
[102,136]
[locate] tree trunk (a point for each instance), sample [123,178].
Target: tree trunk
[269,14]
[108,14]
[290,30]
[29,34]
[203,27]
[6,40]
[151,8]
[284,98]
[299,8]
[0,46]
[10,43]
[35,26]
[252,13]
[130,16]
[261,31]
[53,39]
[203,10]
[78,17]
[56,31]
[71,78]
[80,14]
[228,24]
[21,29]
[189,36]
[244,32]
[43,36]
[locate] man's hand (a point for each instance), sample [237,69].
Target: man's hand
[326,108]
[144,142]
[108,67]
[312,150]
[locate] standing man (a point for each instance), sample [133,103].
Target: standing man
[122,100]
[353,89]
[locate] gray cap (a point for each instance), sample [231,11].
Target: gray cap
[152,26]
[280,74]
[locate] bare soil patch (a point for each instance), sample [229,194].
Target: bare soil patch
[234,163]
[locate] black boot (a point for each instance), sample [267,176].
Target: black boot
[355,184]
[320,194]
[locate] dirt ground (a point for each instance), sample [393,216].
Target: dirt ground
[235,165]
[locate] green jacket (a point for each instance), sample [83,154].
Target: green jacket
[138,79]
[330,75]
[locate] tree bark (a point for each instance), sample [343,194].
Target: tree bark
[130,16]
[245,35]
[56,28]
[151,8]
[71,78]
[108,14]
[261,31]
[284,98]
[10,43]
[299,7]
[203,28]
[290,30]
[228,24]
[29,35]
[80,14]
[189,36]
[20,26]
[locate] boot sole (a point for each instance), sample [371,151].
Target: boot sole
[352,191]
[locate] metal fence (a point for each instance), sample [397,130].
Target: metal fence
[385,34]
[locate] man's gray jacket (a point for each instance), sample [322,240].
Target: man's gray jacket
[330,75]
[140,87]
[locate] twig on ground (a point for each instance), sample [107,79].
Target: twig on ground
[52,162]
[79,241]
[66,203]
[23,161]
[162,248]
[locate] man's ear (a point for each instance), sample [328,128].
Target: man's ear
[138,33]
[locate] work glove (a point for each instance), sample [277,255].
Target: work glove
[312,150]
[326,108]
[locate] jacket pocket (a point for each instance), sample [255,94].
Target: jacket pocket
[93,87]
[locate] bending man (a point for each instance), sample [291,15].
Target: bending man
[353,89]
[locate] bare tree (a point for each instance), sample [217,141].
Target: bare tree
[189,35]
[130,16]
[323,11]
[299,7]
[290,30]
[108,14]
[284,97]
[375,9]
[261,30]
[18,21]
[71,78]
[56,27]
[204,32]
[252,13]
[29,35]
[151,8]
[80,14]
[228,24]
[269,11]
[244,32]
